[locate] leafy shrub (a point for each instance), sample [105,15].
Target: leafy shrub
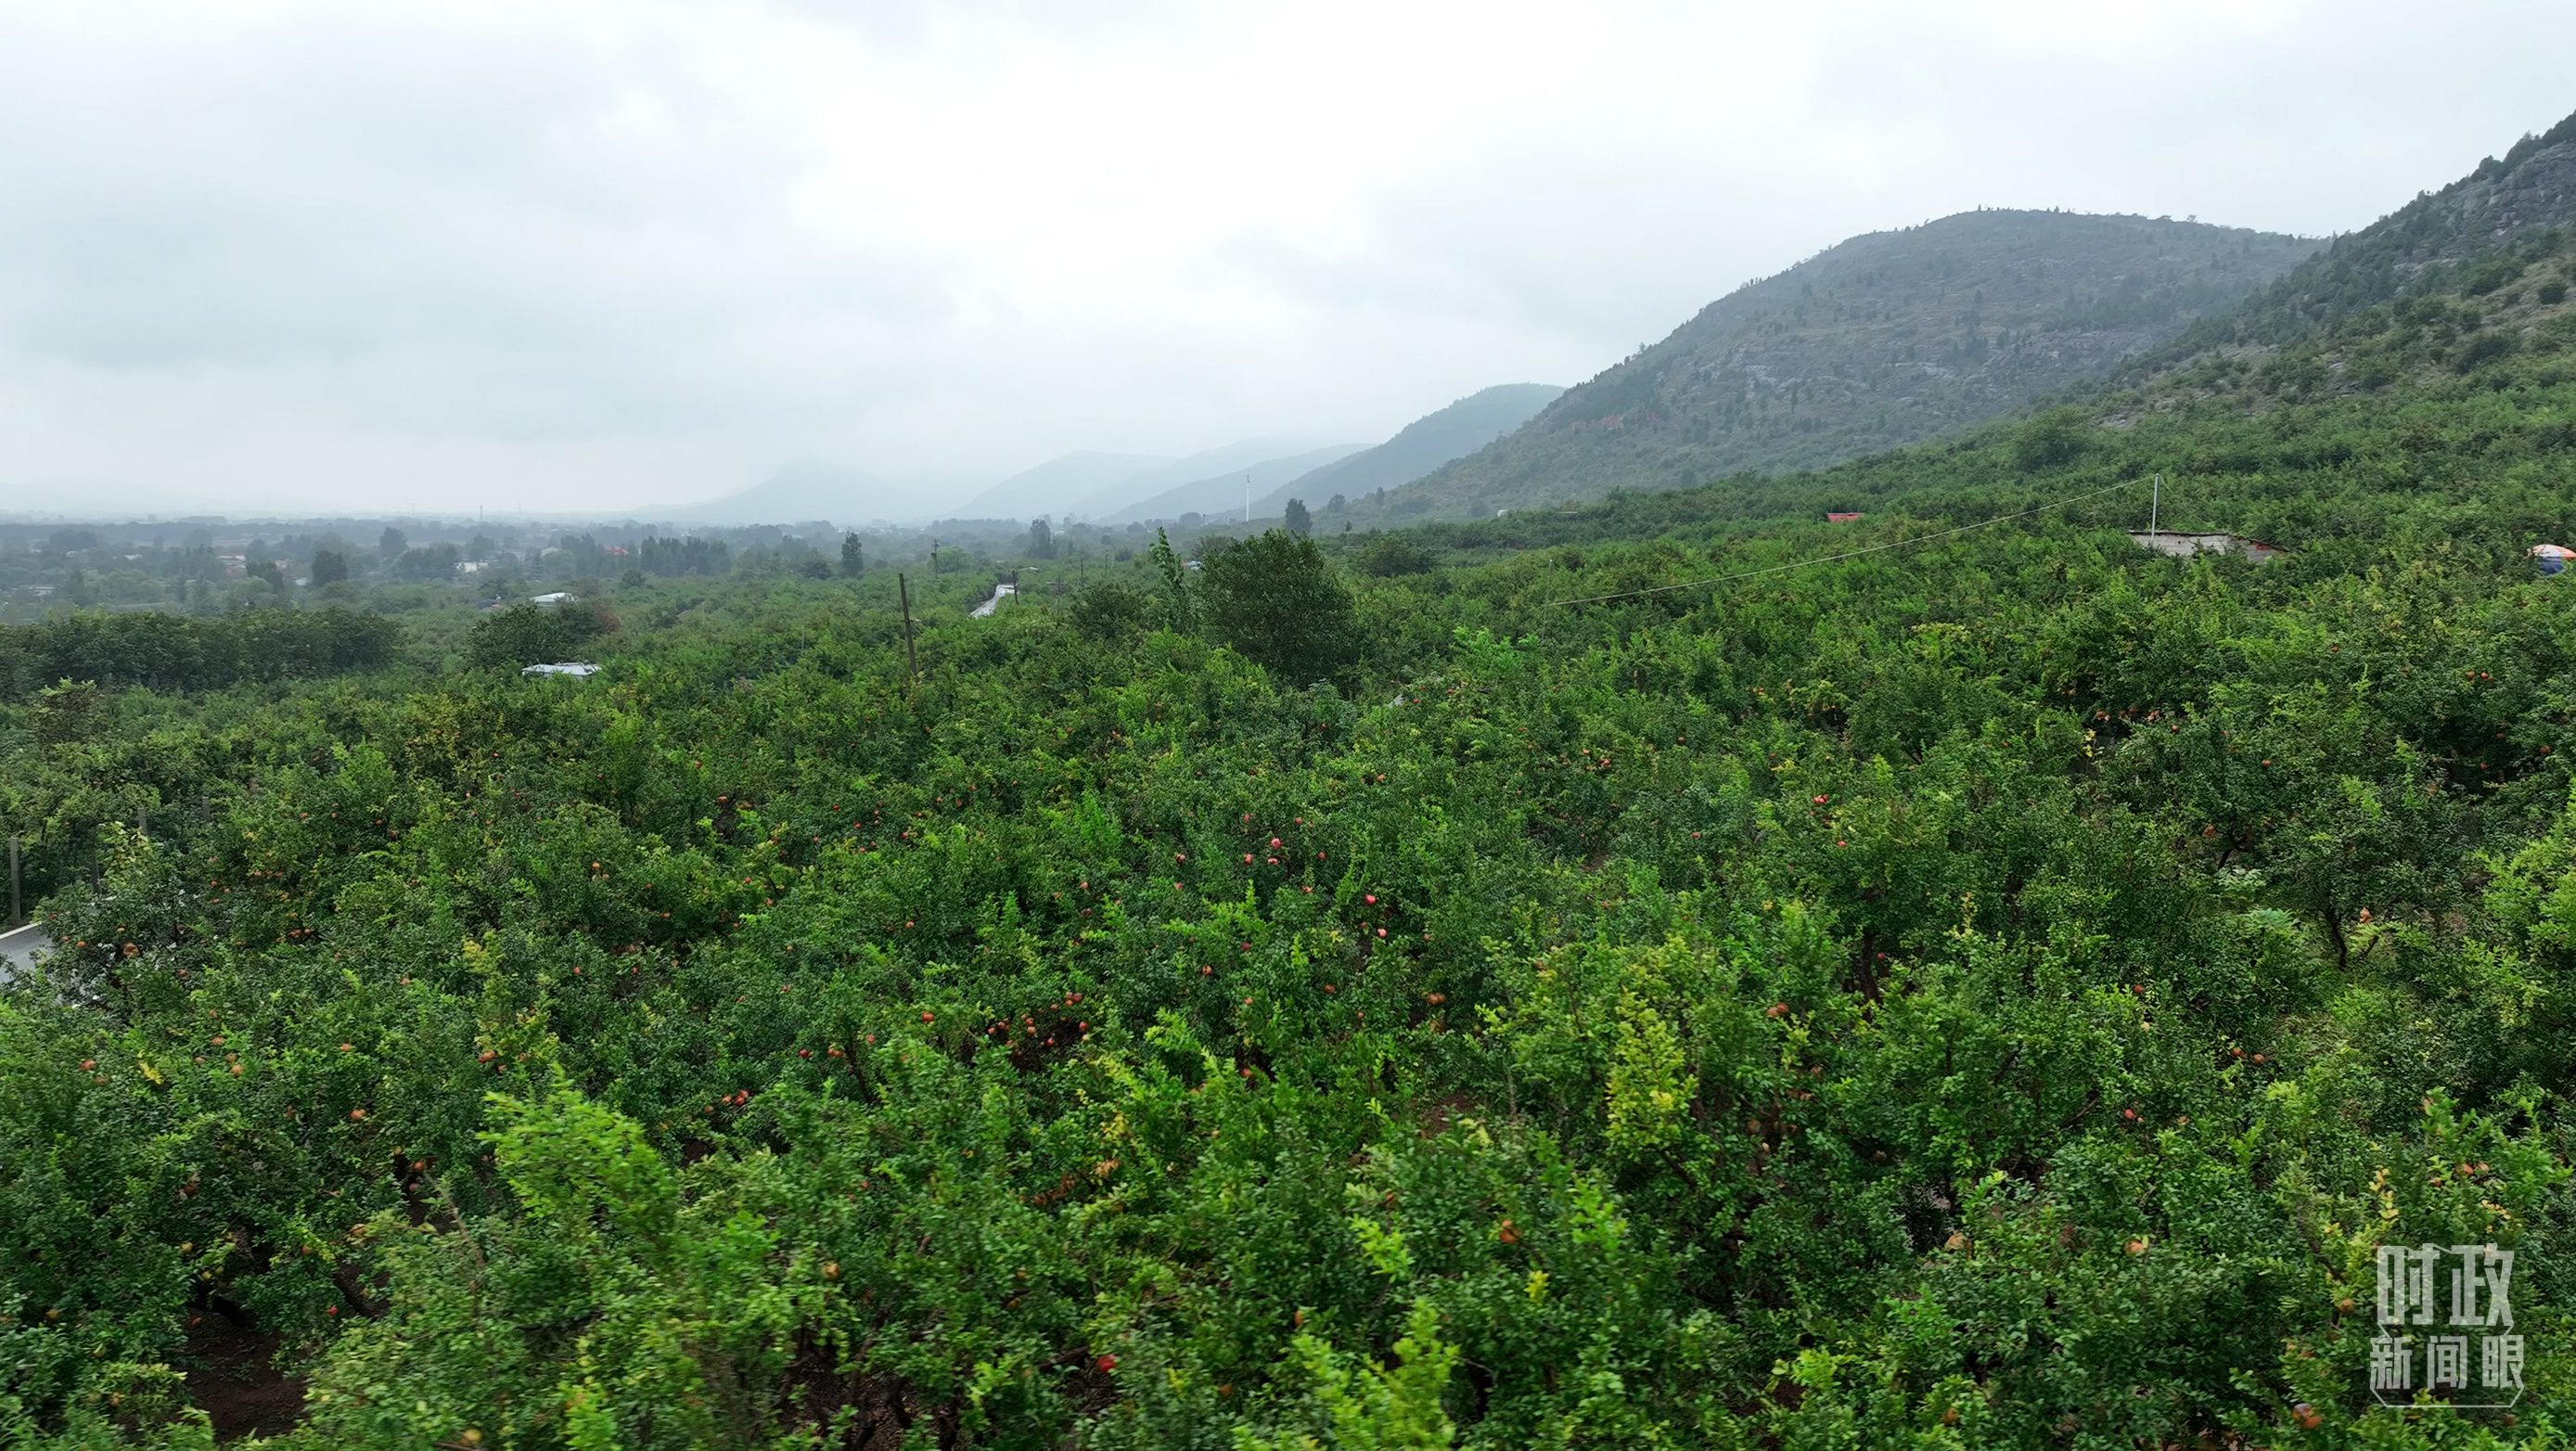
[1390,555]
[527,634]
[1275,599]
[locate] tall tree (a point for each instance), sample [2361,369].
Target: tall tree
[391,544]
[1041,540]
[1277,600]
[330,566]
[1180,610]
[1299,522]
[853,556]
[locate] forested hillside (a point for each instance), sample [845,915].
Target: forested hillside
[2418,249]
[2435,291]
[1883,340]
[2002,990]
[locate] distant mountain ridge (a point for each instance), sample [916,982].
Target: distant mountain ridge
[1425,444]
[1224,493]
[1885,339]
[1058,484]
[806,489]
[1230,458]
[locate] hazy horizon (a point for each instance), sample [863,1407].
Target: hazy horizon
[596,260]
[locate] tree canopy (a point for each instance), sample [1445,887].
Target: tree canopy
[1276,598]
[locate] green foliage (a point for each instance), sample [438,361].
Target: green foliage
[1277,600]
[168,652]
[527,634]
[1110,612]
[621,1309]
[2051,440]
[2000,990]
[1180,601]
[1363,1408]
[1393,554]
[436,561]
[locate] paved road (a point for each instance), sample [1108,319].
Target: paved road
[18,949]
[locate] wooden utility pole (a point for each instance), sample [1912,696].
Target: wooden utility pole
[912,662]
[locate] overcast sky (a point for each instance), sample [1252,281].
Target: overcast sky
[292,256]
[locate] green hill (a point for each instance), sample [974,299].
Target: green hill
[2453,279]
[1421,446]
[2421,369]
[1883,340]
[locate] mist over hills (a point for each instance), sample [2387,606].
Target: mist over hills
[1885,339]
[1425,444]
[1052,487]
[1224,493]
[1118,499]
[1119,488]
[808,488]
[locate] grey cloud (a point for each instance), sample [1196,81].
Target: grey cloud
[616,250]
[440,232]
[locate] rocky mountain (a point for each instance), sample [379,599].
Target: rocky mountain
[2427,354]
[1882,340]
[1419,447]
[2473,239]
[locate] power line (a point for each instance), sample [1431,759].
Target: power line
[1849,553]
